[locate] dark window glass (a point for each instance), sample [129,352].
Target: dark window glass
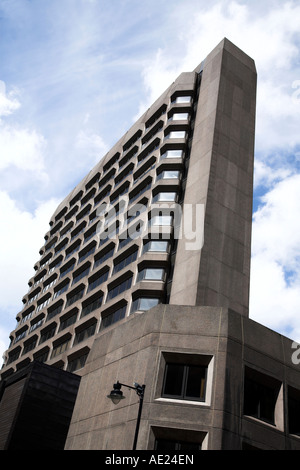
[259,400]
[186,382]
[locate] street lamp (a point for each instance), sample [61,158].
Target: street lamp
[116,395]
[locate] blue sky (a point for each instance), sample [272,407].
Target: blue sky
[76,74]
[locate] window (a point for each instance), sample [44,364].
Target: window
[161,220]
[92,305]
[120,264]
[260,395]
[69,320]
[77,363]
[79,275]
[85,333]
[168,174]
[48,333]
[61,288]
[165,196]
[156,245]
[119,288]
[186,382]
[293,411]
[60,348]
[172,154]
[104,256]
[151,274]
[176,135]
[179,116]
[55,310]
[74,297]
[144,304]
[182,99]
[113,317]
[98,280]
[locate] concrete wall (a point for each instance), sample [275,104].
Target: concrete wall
[136,350]
[220,177]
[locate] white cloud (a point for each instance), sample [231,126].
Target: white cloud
[22,236]
[20,147]
[275,266]
[8,102]
[270,38]
[91,144]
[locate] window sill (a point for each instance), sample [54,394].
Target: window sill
[176,401]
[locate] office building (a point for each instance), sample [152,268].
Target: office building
[144,277]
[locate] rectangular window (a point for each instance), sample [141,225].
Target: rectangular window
[168,174]
[143,304]
[104,257]
[151,274]
[97,281]
[119,265]
[293,411]
[74,297]
[185,382]
[77,363]
[119,288]
[165,196]
[113,317]
[92,305]
[260,395]
[172,154]
[156,245]
[84,334]
[59,349]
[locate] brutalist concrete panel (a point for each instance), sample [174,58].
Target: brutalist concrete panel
[44,408]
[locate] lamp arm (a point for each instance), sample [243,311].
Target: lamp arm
[138,388]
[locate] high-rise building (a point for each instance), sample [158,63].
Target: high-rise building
[144,276]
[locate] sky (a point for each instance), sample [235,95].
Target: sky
[76,74]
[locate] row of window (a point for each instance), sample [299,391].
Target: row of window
[115,315]
[96,280]
[175,134]
[171,174]
[162,196]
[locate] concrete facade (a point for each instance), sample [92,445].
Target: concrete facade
[137,350]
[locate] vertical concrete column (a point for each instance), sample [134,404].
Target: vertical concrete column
[220,179]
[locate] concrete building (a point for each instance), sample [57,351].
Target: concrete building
[144,277]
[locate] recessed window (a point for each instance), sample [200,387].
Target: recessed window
[85,333]
[165,197]
[113,317]
[144,303]
[118,289]
[161,220]
[125,261]
[151,274]
[156,245]
[293,411]
[176,135]
[260,395]
[184,381]
[168,174]
[179,116]
[172,154]
[77,363]
[182,99]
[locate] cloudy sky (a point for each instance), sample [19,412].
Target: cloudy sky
[76,74]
